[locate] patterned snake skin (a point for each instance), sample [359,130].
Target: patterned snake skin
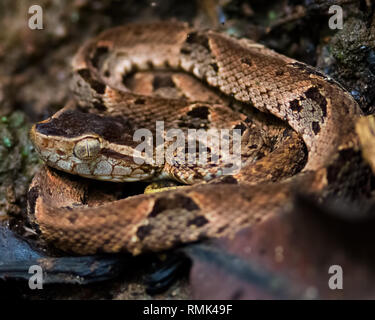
[295,121]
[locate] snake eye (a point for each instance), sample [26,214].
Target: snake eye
[87,148]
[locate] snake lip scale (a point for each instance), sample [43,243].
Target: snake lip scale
[297,130]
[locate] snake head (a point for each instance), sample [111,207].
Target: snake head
[89,145]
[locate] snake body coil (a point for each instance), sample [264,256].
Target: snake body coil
[301,110]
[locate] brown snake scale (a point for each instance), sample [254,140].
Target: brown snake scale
[305,129]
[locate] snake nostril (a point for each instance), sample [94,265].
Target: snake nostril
[60,152]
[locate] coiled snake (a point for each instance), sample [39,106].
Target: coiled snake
[297,129]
